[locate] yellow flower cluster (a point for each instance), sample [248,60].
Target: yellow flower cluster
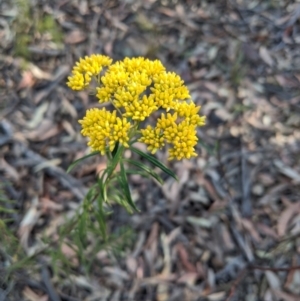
[86,68]
[104,129]
[137,88]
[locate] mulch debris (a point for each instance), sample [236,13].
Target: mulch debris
[229,228]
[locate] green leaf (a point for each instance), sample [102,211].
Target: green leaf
[102,188]
[91,193]
[137,172]
[82,226]
[146,169]
[125,186]
[114,152]
[155,162]
[119,199]
[112,164]
[7,210]
[81,159]
[100,215]
[4,200]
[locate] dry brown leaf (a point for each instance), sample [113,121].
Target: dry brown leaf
[183,255]
[30,295]
[38,115]
[162,288]
[39,136]
[212,87]
[286,217]
[116,272]
[292,282]
[28,222]
[69,129]
[287,171]
[189,278]
[67,107]
[115,21]
[153,235]
[284,296]
[172,188]
[44,131]
[267,230]
[273,194]
[131,264]
[273,280]
[10,171]
[27,80]
[167,11]
[216,296]
[226,237]
[249,226]
[76,36]
[39,73]
[211,190]
[266,56]
[48,205]
[47,164]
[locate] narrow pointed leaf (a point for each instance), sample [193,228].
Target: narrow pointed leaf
[100,215]
[155,162]
[113,153]
[113,163]
[146,169]
[125,186]
[81,159]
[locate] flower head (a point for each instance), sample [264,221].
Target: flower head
[137,88]
[86,68]
[104,129]
[189,111]
[183,137]
[153,138]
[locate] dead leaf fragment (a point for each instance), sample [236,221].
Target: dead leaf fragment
[249,226]
[75,37]
[10,171]
[273,280]
[284,296]
[286,217]
[216,296]
[266,56]
[188,278]
[49,205]
[30,295]
[183,255]
[30,219]
[44,131]
[27,80]
[287,171]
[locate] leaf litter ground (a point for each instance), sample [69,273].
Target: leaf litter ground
[229,228]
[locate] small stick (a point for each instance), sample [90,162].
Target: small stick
[238,279]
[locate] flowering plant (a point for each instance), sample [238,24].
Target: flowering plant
[137,89]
